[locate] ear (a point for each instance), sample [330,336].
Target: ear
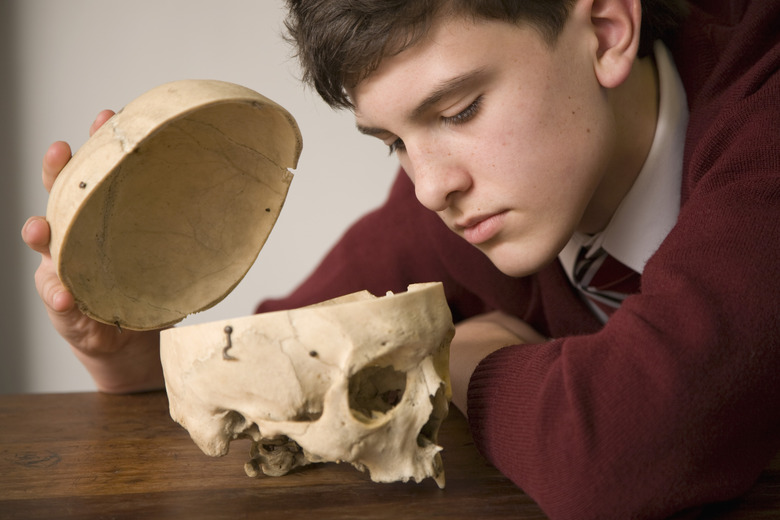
[616,25]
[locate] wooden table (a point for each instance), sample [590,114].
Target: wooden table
[122,457]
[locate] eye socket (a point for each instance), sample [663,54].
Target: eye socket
[465,115]
[374,391]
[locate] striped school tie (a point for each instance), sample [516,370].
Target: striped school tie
[603,280]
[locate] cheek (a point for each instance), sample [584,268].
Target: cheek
[556,144]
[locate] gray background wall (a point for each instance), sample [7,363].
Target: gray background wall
[64,61]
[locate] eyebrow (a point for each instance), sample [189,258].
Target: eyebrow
[444,89]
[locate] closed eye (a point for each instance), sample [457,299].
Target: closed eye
[465,115]
[396,145]
[460,118]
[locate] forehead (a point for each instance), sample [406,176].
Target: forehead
[444,32]
[454,47]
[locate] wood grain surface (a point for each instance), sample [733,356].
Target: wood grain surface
[93,455]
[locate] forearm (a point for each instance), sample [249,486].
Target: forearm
[474,340]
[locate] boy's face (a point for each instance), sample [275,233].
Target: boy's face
[512,142]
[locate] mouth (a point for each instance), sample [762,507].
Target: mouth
[478,230]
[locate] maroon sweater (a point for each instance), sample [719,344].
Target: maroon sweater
[675,402]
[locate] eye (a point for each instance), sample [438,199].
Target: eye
[396,145]
[465,115]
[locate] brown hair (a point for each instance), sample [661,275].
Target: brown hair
[340,42]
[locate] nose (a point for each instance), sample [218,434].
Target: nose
[439,176]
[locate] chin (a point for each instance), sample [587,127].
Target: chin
[518,262]
[515,268]
[517,272]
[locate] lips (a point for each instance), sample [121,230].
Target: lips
[480,229]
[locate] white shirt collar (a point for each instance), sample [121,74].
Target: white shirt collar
[650,208]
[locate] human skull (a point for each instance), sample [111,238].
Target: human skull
[359,379]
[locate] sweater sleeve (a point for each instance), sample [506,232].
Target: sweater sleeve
[674,402]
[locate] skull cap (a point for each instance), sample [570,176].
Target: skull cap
[165,208]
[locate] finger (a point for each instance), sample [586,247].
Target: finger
[36,234]
[62,302]
[54,295]
[101,118]
[54,160]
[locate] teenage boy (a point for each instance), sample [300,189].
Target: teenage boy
[600,196]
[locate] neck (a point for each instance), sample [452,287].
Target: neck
[635,105]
